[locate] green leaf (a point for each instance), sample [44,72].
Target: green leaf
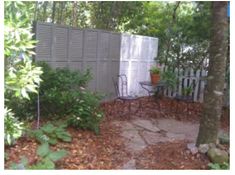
[53,141]
[48,128]
[45,164]
[43,150]
[54,156]
[63,135]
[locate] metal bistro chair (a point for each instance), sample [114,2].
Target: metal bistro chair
[188,98]
[121,90]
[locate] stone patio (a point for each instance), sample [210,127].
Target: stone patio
[140,133]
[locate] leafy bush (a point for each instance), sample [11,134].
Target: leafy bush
[169,78]
[63,95]
[186,91]
[216,166]
[13,128]
[50,133]
[85,112]
[47,159]
[20,166]
[21,76]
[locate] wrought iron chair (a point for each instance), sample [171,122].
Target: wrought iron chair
[121,89]
[187,97]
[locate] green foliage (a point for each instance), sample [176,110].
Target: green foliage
[12,127]
[169,78]
[60,89]
[20,166]
[186,91]
[183,29]
[154,70]
[216,166]
[21,76]
[50,133]
[63,94]
[121,13]
[85,113]
[47,159]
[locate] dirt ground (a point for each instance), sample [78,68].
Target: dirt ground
[107,150]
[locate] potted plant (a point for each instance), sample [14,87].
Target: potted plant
[154,74]
[170,79]
[186,91]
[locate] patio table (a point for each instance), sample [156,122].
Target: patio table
[151,88]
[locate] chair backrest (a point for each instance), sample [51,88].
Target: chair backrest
[120,85]
[193,84]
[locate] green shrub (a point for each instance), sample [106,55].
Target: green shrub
[169,78]
[47,159]
[85,113]
[12,127]
[63,95]
[22,77]
[50,133]
[216,166]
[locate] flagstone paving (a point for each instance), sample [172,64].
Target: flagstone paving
[139,133]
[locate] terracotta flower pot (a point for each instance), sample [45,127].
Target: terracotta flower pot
[155,78]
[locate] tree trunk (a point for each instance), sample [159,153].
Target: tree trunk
[74,19]
[53,12]
[45,11]
[60,16]
[210,120]
[35,11]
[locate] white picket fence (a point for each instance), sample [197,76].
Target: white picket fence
[187,78]
[198,78]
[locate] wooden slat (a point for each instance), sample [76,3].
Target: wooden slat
[196,91]
[202,86]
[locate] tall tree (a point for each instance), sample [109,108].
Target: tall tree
[45,10]
[74,14]
[53,11]
[209,123]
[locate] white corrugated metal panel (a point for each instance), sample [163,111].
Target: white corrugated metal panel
[125,47]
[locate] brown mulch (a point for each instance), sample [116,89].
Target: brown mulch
[171,155]
[86,151]
[107,151]
[161,108]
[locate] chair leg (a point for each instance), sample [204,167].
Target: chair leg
[129,108]
[176,111]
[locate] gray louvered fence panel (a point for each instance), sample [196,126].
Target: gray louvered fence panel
[106,53]
[90,45]
[103,45]
[60,43]
[75,45]
[43,47]
[114,46]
